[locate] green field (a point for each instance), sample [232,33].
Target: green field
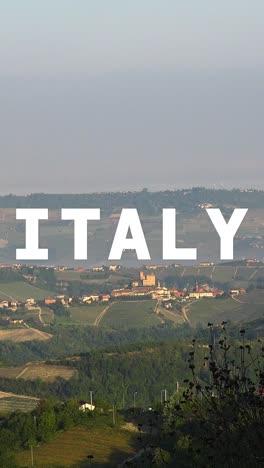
[68,275]
[130,314]
[22,291]
[223,274]
[108,446]
[244,308]
[47,315]
[81,314]
[86,314]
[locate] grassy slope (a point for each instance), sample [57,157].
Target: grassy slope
[246,308]
[18,335]
[22,291]
[81,315]
[131,314]
[86,314]
[109,446]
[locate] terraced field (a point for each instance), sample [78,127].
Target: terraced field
[129,314]
[10,402]
[34,371]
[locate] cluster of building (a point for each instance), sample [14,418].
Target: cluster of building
[205,291]
[146,286]
[14,305]
[149,287]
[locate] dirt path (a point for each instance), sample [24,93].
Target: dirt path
[39,332]
[254,273]
[157,312]
[6,295]
[184,313]
[237,300]
[40,317]
[183,272]
[213,270]
[102,314]
[236,270]
[22,373]
[7,395]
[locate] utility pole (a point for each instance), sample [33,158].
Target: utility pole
[113,415]
[135,393]
[32,455]
[91,401]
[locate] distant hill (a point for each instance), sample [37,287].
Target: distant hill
[148,202]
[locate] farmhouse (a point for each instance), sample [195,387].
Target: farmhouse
[114,267]
[236,292]
[104,297]
[98,268]
[83,406]
[50,300]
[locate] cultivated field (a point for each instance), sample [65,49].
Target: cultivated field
[130,314]
[108,446]
[10,402]
[20,290]
[171,315]
[86,314]
[233,275]
[47,315]
[81,315]
[23,334]
[34,371]
[244,308]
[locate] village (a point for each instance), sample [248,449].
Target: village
[145,287]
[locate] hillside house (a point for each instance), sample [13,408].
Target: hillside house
[161,293]
[84,406]
[114,267]
[104,297]
[50,300]
[98,268]
[236,292]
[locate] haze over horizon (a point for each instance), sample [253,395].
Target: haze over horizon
[112,96]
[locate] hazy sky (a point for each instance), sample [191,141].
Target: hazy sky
[116,95]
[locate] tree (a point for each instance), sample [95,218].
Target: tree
[223,415]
